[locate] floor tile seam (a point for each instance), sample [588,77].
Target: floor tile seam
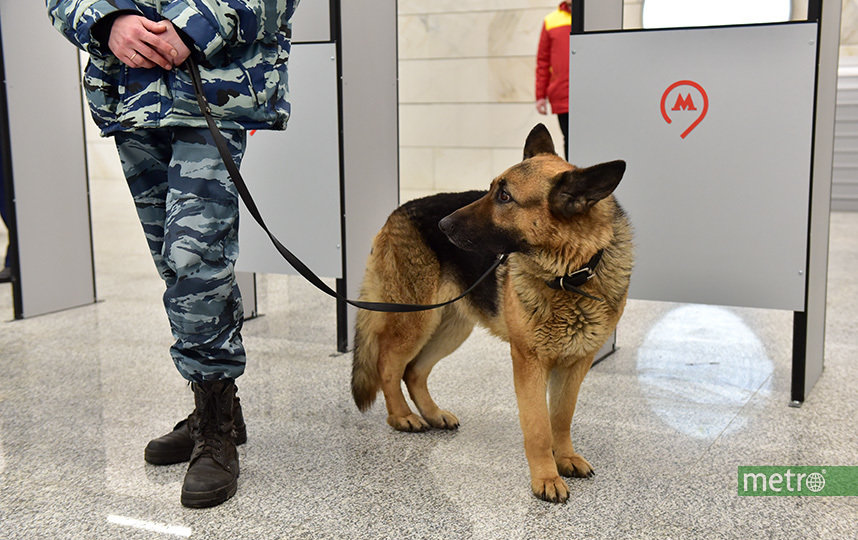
[727,427]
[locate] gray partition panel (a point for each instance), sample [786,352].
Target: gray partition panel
[603,15]
[312,21]
[294,175]
[48,162]
[721,213]
[370,130]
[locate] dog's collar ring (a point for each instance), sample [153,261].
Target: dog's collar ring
[575,279]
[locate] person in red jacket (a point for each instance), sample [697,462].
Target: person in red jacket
[552,67]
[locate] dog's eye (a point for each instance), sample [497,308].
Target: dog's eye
[504,196]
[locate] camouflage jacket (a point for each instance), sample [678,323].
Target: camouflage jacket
[242,47]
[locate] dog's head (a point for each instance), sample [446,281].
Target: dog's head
[534,201]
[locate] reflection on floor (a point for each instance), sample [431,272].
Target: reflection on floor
[728,367]
[692,393]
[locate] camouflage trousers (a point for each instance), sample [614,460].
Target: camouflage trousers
[188,207]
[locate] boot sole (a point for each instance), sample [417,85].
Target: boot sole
[207,499]
[154,457]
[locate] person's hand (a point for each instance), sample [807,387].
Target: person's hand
[137,42]
[542,106]
[171,36]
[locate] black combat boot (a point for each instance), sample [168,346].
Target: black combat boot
[212,475]
[176,446]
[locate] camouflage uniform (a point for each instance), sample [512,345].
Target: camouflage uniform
[189,210]
[242,47]
[185,200]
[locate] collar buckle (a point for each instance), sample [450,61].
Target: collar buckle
[575,279]
[572,282]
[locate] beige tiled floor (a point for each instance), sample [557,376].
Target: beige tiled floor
[692,393]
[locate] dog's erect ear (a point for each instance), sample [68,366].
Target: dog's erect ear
[538,142]
[579,189]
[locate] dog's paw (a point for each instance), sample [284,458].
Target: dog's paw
[442,419]
[552,489]
[412,423]
[575,466]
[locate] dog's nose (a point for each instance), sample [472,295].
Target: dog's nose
[447,225]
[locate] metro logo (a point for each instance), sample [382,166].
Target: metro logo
[684,104]
[804,481]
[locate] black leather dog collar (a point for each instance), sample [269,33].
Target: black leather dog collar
[572,282]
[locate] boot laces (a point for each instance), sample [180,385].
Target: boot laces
[210,429]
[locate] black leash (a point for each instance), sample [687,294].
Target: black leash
[294,261]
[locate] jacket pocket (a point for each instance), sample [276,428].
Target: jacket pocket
[139,96]
[228,91]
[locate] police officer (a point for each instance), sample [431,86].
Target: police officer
[140,93]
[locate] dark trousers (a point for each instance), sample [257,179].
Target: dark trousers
[563,118]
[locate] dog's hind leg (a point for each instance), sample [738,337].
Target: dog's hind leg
[563,386]
[451,332]
[399,344]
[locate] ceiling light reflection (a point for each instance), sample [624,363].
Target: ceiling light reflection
[698,366]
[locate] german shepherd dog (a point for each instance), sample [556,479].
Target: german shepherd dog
[554,220]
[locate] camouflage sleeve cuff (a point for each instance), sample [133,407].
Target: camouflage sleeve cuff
[195,24]
[92,41]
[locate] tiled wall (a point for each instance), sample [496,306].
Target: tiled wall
[849,29]
[466,79]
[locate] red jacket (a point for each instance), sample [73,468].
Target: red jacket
[552,60]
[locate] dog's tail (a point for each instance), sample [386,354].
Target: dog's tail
[365,378]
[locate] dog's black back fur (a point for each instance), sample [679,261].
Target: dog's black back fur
[466,266]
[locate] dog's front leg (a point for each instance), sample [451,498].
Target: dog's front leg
[564,383]
[530,385]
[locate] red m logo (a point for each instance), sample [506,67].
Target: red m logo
[685,104]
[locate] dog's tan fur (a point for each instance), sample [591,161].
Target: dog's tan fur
[553,334]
